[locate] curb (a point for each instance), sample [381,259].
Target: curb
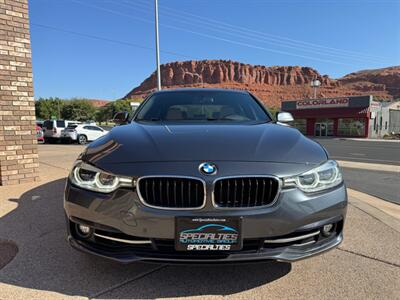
[386,212]
[368,166]
[368,140]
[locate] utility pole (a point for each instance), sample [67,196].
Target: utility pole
[157,47]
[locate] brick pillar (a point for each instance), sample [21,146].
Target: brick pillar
[18,146]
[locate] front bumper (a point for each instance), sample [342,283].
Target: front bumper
[121,213]
[71,137]
[286,254]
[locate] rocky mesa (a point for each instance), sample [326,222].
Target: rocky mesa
[272,84]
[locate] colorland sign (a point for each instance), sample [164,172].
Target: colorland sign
[322,103]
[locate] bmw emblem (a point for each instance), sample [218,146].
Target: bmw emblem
[208,168]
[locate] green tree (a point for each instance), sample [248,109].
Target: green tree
[273,111]
[79,110]
[121,105]
[48,108]
[107,112]
[102,115]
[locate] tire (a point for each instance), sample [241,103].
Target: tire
[82,139]
[48,140]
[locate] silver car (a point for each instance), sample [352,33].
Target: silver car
[204,175]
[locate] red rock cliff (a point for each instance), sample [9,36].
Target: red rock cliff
[387,78]
[271,84]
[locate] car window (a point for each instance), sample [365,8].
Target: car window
[202,106]
[60,123]
[72,126]
[48,124]
[94,128]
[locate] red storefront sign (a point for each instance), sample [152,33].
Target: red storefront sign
[322,103]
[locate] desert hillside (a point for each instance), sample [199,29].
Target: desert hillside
[272,84]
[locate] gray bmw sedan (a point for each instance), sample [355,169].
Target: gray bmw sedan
[204,175]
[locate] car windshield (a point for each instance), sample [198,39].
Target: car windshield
[202,106]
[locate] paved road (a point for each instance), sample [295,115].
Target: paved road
[363,151]
[384,185]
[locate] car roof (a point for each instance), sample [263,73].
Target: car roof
[195,90]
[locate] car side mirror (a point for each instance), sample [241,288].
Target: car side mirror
[284,117]
[121,118]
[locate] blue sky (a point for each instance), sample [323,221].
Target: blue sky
[103,48]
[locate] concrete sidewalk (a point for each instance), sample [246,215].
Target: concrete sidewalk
[369,140]
[365,266]
[369,166]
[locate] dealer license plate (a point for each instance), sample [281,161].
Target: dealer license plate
[208,234]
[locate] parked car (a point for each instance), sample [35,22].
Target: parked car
[204,175]
[39,123]
[52,129]
[39,134]
[82,133]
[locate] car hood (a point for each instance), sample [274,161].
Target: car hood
[215,142]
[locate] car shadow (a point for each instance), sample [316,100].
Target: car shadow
[46,262]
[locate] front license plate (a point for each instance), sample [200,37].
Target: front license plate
[208,234]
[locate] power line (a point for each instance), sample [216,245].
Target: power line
[312,1]
[305,85]
[296,43]
[243,29]
[107,39]
[250,36]
[216,37]
[131,44]
[141,46]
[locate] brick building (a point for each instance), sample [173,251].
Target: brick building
[356,116]
[18,146]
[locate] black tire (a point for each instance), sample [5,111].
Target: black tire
[82,139]
[48,140]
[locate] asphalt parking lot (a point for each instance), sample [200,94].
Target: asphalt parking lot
[365,266]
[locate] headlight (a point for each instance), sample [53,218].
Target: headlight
[321,178]
[94,179]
